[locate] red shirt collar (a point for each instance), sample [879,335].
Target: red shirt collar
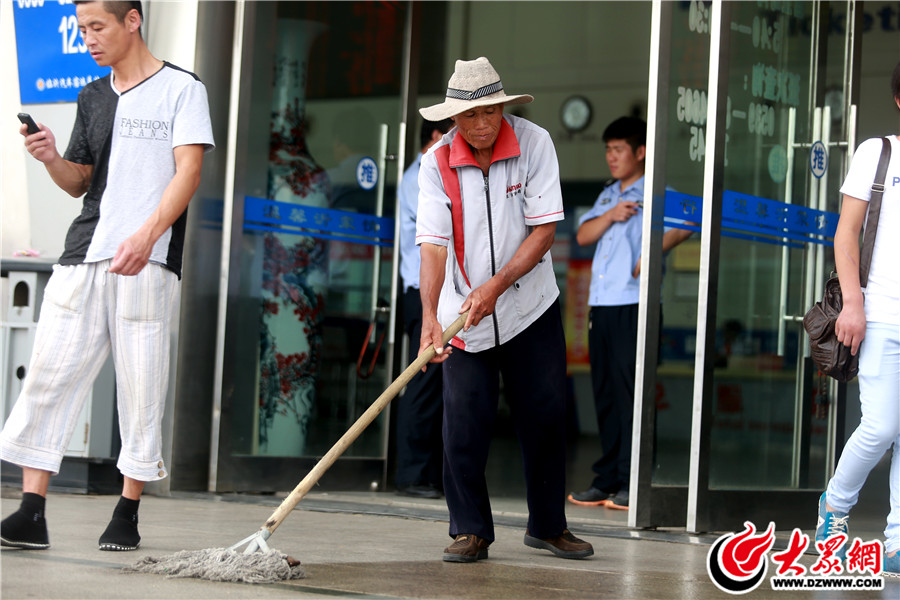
[506,146]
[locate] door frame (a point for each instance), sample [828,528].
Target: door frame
[227,472]
[695,506]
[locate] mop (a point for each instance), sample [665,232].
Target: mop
[258,563]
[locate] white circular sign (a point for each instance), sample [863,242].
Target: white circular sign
[366,173]
[818,159]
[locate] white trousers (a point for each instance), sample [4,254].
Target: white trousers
[879,427]
[87,312]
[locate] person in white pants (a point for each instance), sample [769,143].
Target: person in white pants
[136,151]
[871,328]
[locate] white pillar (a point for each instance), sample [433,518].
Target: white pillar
[14,212]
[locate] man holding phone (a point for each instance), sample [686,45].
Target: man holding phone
[135,154]
[30,126]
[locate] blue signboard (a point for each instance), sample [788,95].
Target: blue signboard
[262,214]
[758,219]
[54,63]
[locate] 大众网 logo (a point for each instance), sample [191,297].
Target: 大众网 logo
[737,562]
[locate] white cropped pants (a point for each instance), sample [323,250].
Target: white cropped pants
[879,427]
[87,312]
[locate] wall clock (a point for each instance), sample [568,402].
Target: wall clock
[576,113]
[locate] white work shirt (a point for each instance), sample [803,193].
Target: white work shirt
[882,294]
[522,190]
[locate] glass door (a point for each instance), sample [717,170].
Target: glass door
[768,134]
[307,341]
[768,418]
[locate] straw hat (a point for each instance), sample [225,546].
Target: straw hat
[473,83]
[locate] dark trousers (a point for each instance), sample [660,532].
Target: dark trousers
[419,409]
[612,344]
[533,366]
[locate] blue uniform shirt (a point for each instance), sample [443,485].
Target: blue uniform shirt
[618,251]
[408,196]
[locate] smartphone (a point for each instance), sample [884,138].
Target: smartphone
[32,126]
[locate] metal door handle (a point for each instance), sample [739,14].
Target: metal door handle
[376,310]
[383,158]
[785,251]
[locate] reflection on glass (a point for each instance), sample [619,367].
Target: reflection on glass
[763,433]
[310,240]
[684,174]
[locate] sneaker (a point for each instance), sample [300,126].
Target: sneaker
[121,535]
[466,548]
[619,501]
[832,523]
[565,545]
[590,497]
[891,565]
[18,530]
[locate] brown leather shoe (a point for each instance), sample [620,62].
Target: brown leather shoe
[565,545]
[466,548]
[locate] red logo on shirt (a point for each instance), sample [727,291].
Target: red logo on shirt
[512,190]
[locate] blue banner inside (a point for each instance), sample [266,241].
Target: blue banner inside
[262,214]
[758,219]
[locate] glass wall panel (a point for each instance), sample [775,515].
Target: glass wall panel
[315,249]
[767,429]
[687,108]
[787,68]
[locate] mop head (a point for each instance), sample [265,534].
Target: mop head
[222,564]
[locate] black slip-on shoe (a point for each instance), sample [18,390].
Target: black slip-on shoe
[121,535]
[19,531]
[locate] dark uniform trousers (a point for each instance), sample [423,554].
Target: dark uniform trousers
[419,448]
[612,344]
[533,366]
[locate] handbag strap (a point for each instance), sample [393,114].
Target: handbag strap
[865,258]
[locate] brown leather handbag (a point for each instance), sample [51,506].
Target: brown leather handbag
[829,355]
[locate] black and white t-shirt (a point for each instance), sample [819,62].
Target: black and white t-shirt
[129,138]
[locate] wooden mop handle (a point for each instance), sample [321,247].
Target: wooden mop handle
[357,428]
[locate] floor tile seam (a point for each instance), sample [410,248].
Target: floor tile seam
[521,521]
[419,512]
[577,527]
